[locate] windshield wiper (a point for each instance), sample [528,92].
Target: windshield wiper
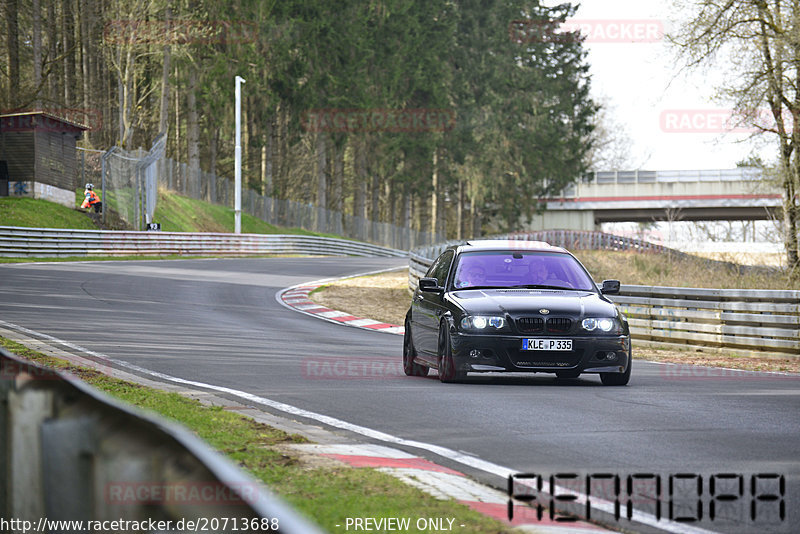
[544,286]
[479,287]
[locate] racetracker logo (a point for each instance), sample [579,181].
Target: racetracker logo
[696,372]
[180,493]
[720,121]
[23,371]
[20,372]
[343,368]
[179,32]
[587,31]
[378,120]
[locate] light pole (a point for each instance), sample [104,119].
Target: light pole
[237,203]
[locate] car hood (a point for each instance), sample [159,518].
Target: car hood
[519,302]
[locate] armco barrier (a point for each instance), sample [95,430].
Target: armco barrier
[46,242]
[733,320]
[757,320]
[70,453]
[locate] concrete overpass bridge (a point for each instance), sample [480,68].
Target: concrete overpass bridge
[645,196]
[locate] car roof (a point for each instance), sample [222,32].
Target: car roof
[510,244]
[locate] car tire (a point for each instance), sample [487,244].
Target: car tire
[618,379]
[409,353]
[447,367]
[567,374]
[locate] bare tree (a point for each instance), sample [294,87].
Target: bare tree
[163,115]
[37,50]
[12,49]
[760,41]
[611,142]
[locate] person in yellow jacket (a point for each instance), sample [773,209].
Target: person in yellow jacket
[91,199]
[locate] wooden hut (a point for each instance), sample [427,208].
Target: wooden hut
[38,156]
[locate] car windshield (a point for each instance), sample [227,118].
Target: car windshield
[523,269]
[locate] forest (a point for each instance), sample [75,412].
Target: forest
[453,117]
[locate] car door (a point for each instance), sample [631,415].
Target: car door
[427,308]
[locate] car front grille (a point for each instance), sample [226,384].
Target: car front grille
[530,325]
[559,325]
[536,325]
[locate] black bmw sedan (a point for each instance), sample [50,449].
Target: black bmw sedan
[514,306]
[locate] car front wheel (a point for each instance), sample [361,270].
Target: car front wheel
[410,368]
[618,379]
[447,367]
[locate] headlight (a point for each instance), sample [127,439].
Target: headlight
[606,324]
[481,322]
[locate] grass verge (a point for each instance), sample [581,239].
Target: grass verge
[175,212]
[35,213]
[652,269]
[326,494]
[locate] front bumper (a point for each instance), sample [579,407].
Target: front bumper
[503,353]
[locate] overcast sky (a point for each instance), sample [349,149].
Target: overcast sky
[672,121]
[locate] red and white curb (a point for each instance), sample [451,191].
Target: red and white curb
[444,483]
[297,298]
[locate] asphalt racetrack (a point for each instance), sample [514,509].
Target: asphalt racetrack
[218,322]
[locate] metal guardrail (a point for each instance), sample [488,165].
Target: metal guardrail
[757,320]
[750,320]
[47,242]
[70,453]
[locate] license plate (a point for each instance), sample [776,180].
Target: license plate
[547,344]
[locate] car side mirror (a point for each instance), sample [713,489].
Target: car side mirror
[610,287]
[430,285]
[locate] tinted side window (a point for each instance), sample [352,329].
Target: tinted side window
[434,266]
[443,267]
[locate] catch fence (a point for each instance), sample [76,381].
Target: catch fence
[129,181]
[210,187]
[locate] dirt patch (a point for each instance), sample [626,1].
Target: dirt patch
[711,358]
[308,460]
[385,297]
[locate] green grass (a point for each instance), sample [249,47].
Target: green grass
[327,495]
[176,213]
[35,213]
